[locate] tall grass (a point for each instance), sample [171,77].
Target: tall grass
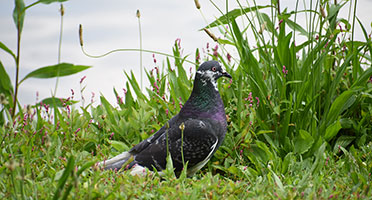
[311,93]
[299,117]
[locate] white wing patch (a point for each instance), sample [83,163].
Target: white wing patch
[202,124]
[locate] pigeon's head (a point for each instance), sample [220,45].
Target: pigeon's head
[210,71]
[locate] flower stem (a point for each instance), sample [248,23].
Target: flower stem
[17,68]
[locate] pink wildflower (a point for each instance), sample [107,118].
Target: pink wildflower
[198,57]
[82,79]
[77,130]
[156,86]
[280,22]
[285,72]
[228,58]
[178,42]
[111,135]
[153,56]
[215,53]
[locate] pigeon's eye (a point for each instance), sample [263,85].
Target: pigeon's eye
[214,69]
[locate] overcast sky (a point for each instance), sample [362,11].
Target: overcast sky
[108,25]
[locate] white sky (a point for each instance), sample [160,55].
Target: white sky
[109,25]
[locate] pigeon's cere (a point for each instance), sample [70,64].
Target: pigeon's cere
[203,122]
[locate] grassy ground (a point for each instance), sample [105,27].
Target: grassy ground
[299,118]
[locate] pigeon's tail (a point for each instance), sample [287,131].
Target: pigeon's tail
[118,161]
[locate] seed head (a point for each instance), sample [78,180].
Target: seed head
[81,34]
[62,10]
[3,99]
[29,110]
[263,26]
[322,12]
[211,35]
[197,4]
[182,126]
[138,14]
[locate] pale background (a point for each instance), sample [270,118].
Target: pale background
[110,25]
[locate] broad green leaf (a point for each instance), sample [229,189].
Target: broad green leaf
[293,82]
[286,161]
[319,160]
[347,123]
[169,170]
[6,49]
[119,146]
[362,80]
[338,106]
[303,142]
[265,19]
[259,151]
[224,41]
[233,170]
[277,181]
[343,141]
[366,36]
[5,83]
[296,27]
[133,82]
[332,130]
[19,14]
[58,102]
[108,109]
[129,100]
[58,70]
[264,132]
[50,1]
[332,111]
[231,15]
[86,166]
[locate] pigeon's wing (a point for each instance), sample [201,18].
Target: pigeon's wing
[198,142]
[118,161]
[145,143]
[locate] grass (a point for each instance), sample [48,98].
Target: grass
[299,117]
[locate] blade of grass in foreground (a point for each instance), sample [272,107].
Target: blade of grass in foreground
[65,175]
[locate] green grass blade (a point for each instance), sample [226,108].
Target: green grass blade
[362,79]
[108,109]
[62,181]
[133,82]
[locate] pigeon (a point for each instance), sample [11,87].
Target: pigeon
[199,127]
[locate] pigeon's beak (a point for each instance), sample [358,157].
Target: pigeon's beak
[225,74]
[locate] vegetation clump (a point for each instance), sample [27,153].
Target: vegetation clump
[299,115]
